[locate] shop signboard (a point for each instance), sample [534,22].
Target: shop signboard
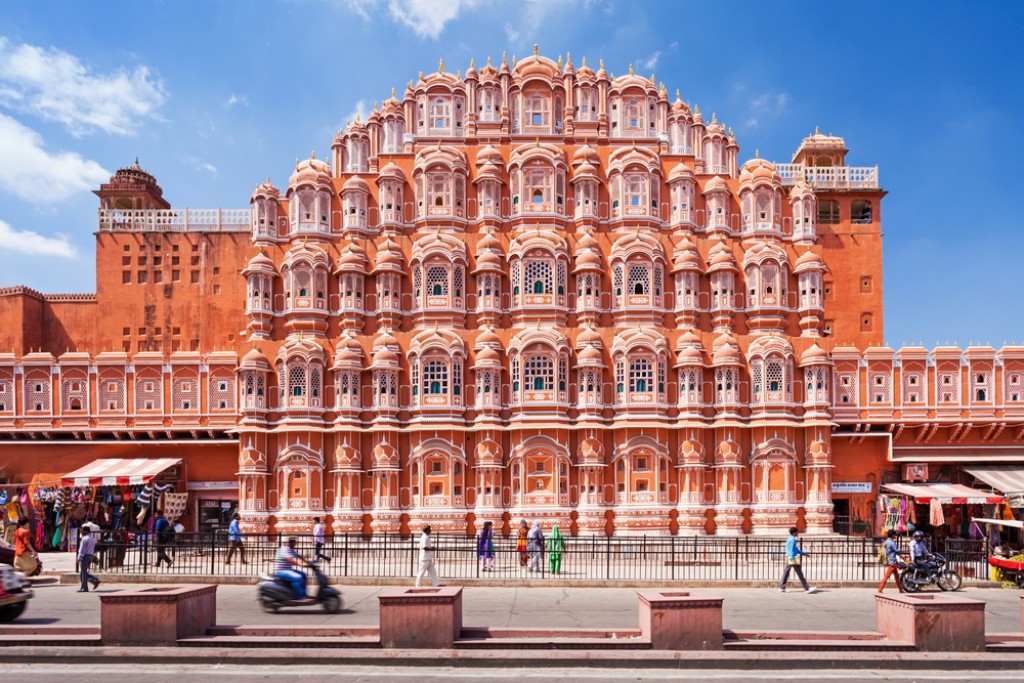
[852,487]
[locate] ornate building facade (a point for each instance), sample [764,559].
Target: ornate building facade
[533,291]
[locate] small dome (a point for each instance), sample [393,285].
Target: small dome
[260,263]
[808,261]
[311,171]
[352,258]
[488,242]
[488,452]
[490,155]
[385,456]
[815,355]
[800,190]
[355,184]
[252,459]
[716,184]
[680,172]
[720,257]
[591,451]
[729,451]
[726,352]
[488,357]
[686,257]
[585,170]
[487,336]
[347,458]
[691,452]
[391,172]
[589,260]
[254,358]
[589,356]
[389,257]
[689,355]
[818,453]
[265,191]
[589,335]
[586,155]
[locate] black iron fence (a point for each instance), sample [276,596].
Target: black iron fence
[744,559]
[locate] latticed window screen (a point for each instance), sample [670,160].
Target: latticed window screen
[769,281]
[437,281]
[757,378]
[222,392]
[563,372]
[912,387]
[539,373]
[516,271]
[641,375]
[516,373]
[315,382]
[774,377]
[456,377]
[457,277]
[585,284]
[725,384]
[6,395]
[296,381]
[417,282]
[588,381]
[660,364]
[639,281]
[847,390]
[37,394]
[880,387]
[560,282]
[1014,386]
[435,377]
[74,394]
[185,394]
[539,279]
[949,387]
[620,376]
[148,394]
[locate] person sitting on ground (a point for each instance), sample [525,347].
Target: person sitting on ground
[919,553]
[285,567]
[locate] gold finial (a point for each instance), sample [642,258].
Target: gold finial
[652,78]
[438,145]
[421,75]
[458,75]
[536,50]
[678,96]
[268,179]
[488,60]
[568,58]
[504,58]
[714,117]
[472,63]
[375,103]
[312,153]
[583,64]
[514,60]
[559,62]
[730,132]
[296,163]
[600,63]
[630,69]
[440,66]
[696,110]
[662,88]
[392,92]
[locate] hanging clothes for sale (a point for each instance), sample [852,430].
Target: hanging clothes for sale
[935,516]
[175,505]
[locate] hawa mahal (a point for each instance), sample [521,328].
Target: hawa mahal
[535,290]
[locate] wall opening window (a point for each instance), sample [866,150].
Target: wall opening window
[828,212]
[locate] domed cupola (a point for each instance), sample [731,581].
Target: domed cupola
[264,206]
[309,199]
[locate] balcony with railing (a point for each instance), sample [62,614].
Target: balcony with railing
[174,220]
[830,177]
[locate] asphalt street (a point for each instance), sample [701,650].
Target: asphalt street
[840,609]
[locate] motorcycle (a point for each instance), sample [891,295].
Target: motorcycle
[14,594]
[916,577]
[275,593]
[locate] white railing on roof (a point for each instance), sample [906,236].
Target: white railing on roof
[174,220]
[830,177]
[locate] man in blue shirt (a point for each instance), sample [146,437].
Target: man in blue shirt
[285,565]
[793,554]
[164,536]
[235,540]
[894,562]
[919,553]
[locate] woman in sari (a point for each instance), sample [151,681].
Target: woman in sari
[485,547]
[524,556]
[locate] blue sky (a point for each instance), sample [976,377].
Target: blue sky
[213,96]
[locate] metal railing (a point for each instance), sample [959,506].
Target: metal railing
[744,559]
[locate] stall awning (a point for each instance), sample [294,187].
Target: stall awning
[118,471]
[944,493]
[1008,480]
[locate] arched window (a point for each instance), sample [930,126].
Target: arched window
[539,372]
[539,279]
[435,378]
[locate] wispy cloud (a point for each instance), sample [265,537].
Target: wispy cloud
[28,171]
[426,18]
[236,100]
[648,63]
[766,105]
[28,242]
[55,86]
[360,111]
[208,167]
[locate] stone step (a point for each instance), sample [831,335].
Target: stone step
[279,641]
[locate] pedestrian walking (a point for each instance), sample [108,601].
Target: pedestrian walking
[522,543]
[26,557]
[794,553]
[319,540]
[535,544]
[556,545]
[164,536]
[235,541]
[485,547]
[86,551]
[895,562]
[427,559]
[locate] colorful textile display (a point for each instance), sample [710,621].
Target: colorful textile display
[935,516]
[175,505]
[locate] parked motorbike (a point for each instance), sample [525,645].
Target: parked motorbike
[915,577]
[275,593]
[14,594]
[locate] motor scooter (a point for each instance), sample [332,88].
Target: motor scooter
[914,578]
[275,593]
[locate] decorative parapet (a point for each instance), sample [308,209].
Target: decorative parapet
[174,220]
[830,177]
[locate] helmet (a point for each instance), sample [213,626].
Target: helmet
[919,534]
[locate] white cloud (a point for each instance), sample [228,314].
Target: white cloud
[427,18]
[767,105]
[650,62]
[30,172]
[54,85]
[28,242]
[360,111]
[236,100]
[208,167]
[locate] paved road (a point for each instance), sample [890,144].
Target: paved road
[187,673]
[845,609]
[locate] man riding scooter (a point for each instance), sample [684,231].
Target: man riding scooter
[921,556]
[285,567]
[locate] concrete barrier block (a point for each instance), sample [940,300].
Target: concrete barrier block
[679,620]
[932,622]
[157,616]
[421,617]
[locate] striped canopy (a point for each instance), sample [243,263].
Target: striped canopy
[118,471]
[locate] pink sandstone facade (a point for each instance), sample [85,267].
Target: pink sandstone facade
[533,291]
